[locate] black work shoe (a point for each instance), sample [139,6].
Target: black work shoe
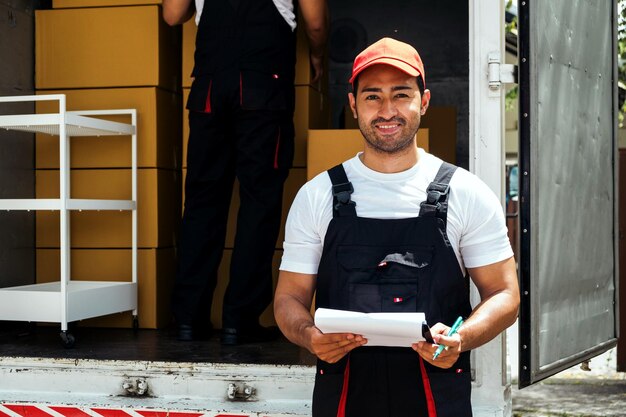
[188,333]
[185,332]
[255,334]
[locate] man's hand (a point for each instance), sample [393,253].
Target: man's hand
[331,347]
[449,356]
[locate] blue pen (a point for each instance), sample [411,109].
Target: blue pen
[452,331]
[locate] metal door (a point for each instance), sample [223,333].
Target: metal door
[568,213]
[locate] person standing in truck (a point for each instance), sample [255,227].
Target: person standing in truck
[241,108]
[395,229]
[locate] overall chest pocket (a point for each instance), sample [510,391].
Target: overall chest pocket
[384,279]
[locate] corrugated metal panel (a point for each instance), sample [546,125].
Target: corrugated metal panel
[568,213]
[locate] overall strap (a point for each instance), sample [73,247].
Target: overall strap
[436,204]
[342,188]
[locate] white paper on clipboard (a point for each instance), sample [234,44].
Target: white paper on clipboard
[380,329]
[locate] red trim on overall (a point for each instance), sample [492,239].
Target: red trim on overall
[276,151]
[430,401]
[207,104]
[341,410]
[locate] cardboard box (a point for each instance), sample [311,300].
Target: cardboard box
[267,318]
[330,147]
[63,4]
[155,276]
[158,208]
[189,47]
[106,47]
[159,143]
[441,125]
[312,112]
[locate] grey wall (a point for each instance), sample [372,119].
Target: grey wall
[438,30]
[17,175]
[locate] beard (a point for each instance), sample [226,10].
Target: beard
[386,143]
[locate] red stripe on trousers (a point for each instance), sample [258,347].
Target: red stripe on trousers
[276,151]
[70,411]
[341,411]
[430,401]
[27,410]
[207,104]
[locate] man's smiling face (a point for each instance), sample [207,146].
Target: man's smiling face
[388,106]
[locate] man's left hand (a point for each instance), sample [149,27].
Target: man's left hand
[449,356]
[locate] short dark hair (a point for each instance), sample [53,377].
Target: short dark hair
[420,85]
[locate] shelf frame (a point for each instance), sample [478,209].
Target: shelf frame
[61,301]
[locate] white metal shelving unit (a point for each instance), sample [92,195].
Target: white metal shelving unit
[67,300]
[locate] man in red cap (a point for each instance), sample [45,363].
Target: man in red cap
[395,229]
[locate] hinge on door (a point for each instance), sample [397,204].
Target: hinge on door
[500,73]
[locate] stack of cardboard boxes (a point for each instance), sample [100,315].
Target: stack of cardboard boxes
[112,54]
[312,112]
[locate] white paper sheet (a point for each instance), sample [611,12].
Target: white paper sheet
[380,329]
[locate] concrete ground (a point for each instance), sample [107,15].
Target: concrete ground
[599,392]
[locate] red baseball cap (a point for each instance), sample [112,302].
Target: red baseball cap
[389,51]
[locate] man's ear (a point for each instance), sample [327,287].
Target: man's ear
[425,101]
[352,101]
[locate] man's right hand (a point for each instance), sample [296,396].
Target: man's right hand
[331,347]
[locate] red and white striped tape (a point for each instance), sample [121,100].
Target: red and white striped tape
[38,410]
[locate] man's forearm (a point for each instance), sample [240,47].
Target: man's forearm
[490,318]
[294,320]
[315,19]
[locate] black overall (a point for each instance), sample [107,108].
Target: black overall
[398,265]
[241,125]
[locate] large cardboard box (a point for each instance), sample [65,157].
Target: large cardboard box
[312,112]
[267,318]
[63,4]
[155,277]
[441,125]
[158,208]
[106,47]
[159,143]
[189,46]
[330,147]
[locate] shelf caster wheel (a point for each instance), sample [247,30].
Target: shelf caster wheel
[67,339]
[135,324]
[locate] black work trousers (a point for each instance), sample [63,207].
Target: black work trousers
[228,140]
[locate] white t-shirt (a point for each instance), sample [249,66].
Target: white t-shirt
[285,8]
[476,226]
